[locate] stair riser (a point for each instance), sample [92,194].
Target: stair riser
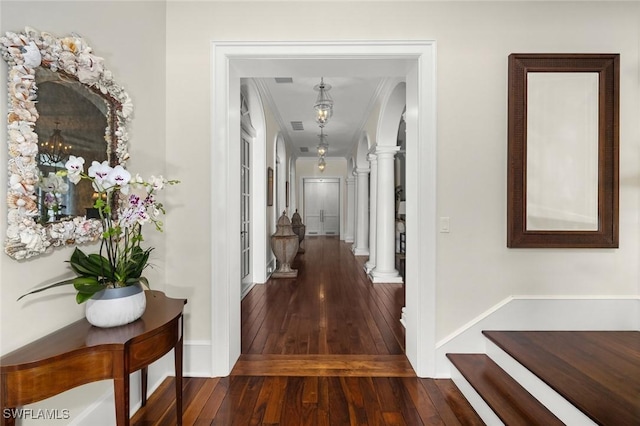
[558,405]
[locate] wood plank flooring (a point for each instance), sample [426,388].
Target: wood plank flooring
[325,348]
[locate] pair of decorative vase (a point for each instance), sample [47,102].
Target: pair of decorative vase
[113,307]
[285,243]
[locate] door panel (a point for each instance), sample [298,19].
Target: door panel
[322,206]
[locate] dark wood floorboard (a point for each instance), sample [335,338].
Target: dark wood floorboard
[325,348]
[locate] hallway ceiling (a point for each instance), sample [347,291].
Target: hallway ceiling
[292,102]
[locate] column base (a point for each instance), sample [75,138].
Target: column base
[369,266]
[385,277]
[360,252]
[403,317]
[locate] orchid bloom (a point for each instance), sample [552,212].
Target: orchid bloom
[99,172]
[54,183]
[121,177]
[74,166]
[157,183]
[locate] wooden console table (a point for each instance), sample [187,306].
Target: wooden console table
[81,353]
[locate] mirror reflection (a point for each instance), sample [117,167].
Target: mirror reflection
[72,121]
[562,151]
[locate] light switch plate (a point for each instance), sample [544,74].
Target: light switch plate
[444,224]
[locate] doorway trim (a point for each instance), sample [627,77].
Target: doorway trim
[415,61]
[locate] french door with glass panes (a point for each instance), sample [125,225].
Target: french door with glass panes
[245,211]
[322,206]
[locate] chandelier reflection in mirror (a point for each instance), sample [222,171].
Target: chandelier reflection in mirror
[55,151]
[324,103]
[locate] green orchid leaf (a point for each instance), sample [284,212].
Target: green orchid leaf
[87,285]
[81,265]
[83,297]
[57,284]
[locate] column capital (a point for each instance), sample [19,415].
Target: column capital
[386,151]
[372,157]
[362,170]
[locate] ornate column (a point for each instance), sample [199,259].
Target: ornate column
[385,269]
[373,179]
[351,206]
[361,246]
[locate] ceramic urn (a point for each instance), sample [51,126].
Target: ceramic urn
[299,229]
[284,243]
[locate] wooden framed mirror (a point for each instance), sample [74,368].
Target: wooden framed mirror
[563,154]
[63,101]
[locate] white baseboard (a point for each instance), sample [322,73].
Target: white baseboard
[540,313]
[197,358]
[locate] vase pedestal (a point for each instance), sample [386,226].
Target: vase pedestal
[284,244]
[299,229]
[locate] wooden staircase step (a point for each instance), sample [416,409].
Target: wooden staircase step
[597,371]
[512,403]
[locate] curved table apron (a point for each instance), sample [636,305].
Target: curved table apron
[81,353]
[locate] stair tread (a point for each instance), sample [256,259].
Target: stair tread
[597,371]
[512,403]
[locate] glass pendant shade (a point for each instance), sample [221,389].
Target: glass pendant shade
[323,146]
[322,164]
[324,103]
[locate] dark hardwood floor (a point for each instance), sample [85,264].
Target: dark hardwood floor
[325,348]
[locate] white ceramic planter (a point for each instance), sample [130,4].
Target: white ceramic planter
[116,306]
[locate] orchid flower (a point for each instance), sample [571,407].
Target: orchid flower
[99,172]
[74,166]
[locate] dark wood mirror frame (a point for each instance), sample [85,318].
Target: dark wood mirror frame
[607,67]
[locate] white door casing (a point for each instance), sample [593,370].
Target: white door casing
[413,61]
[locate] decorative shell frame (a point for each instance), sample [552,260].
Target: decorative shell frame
[72,56]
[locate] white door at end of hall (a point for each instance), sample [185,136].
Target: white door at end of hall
[322,206]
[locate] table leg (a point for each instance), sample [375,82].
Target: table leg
[8,418]
[178,365]
[121,391]
[143,384]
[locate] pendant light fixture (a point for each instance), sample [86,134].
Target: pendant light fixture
[322,164]
[324,103]
[323,146]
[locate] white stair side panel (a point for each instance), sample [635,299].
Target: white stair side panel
[482,408]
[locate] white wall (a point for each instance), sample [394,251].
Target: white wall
[130,36]
[475,270]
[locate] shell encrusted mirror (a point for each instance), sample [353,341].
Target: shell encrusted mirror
[62,102]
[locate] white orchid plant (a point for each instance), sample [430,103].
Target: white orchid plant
[121,259]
